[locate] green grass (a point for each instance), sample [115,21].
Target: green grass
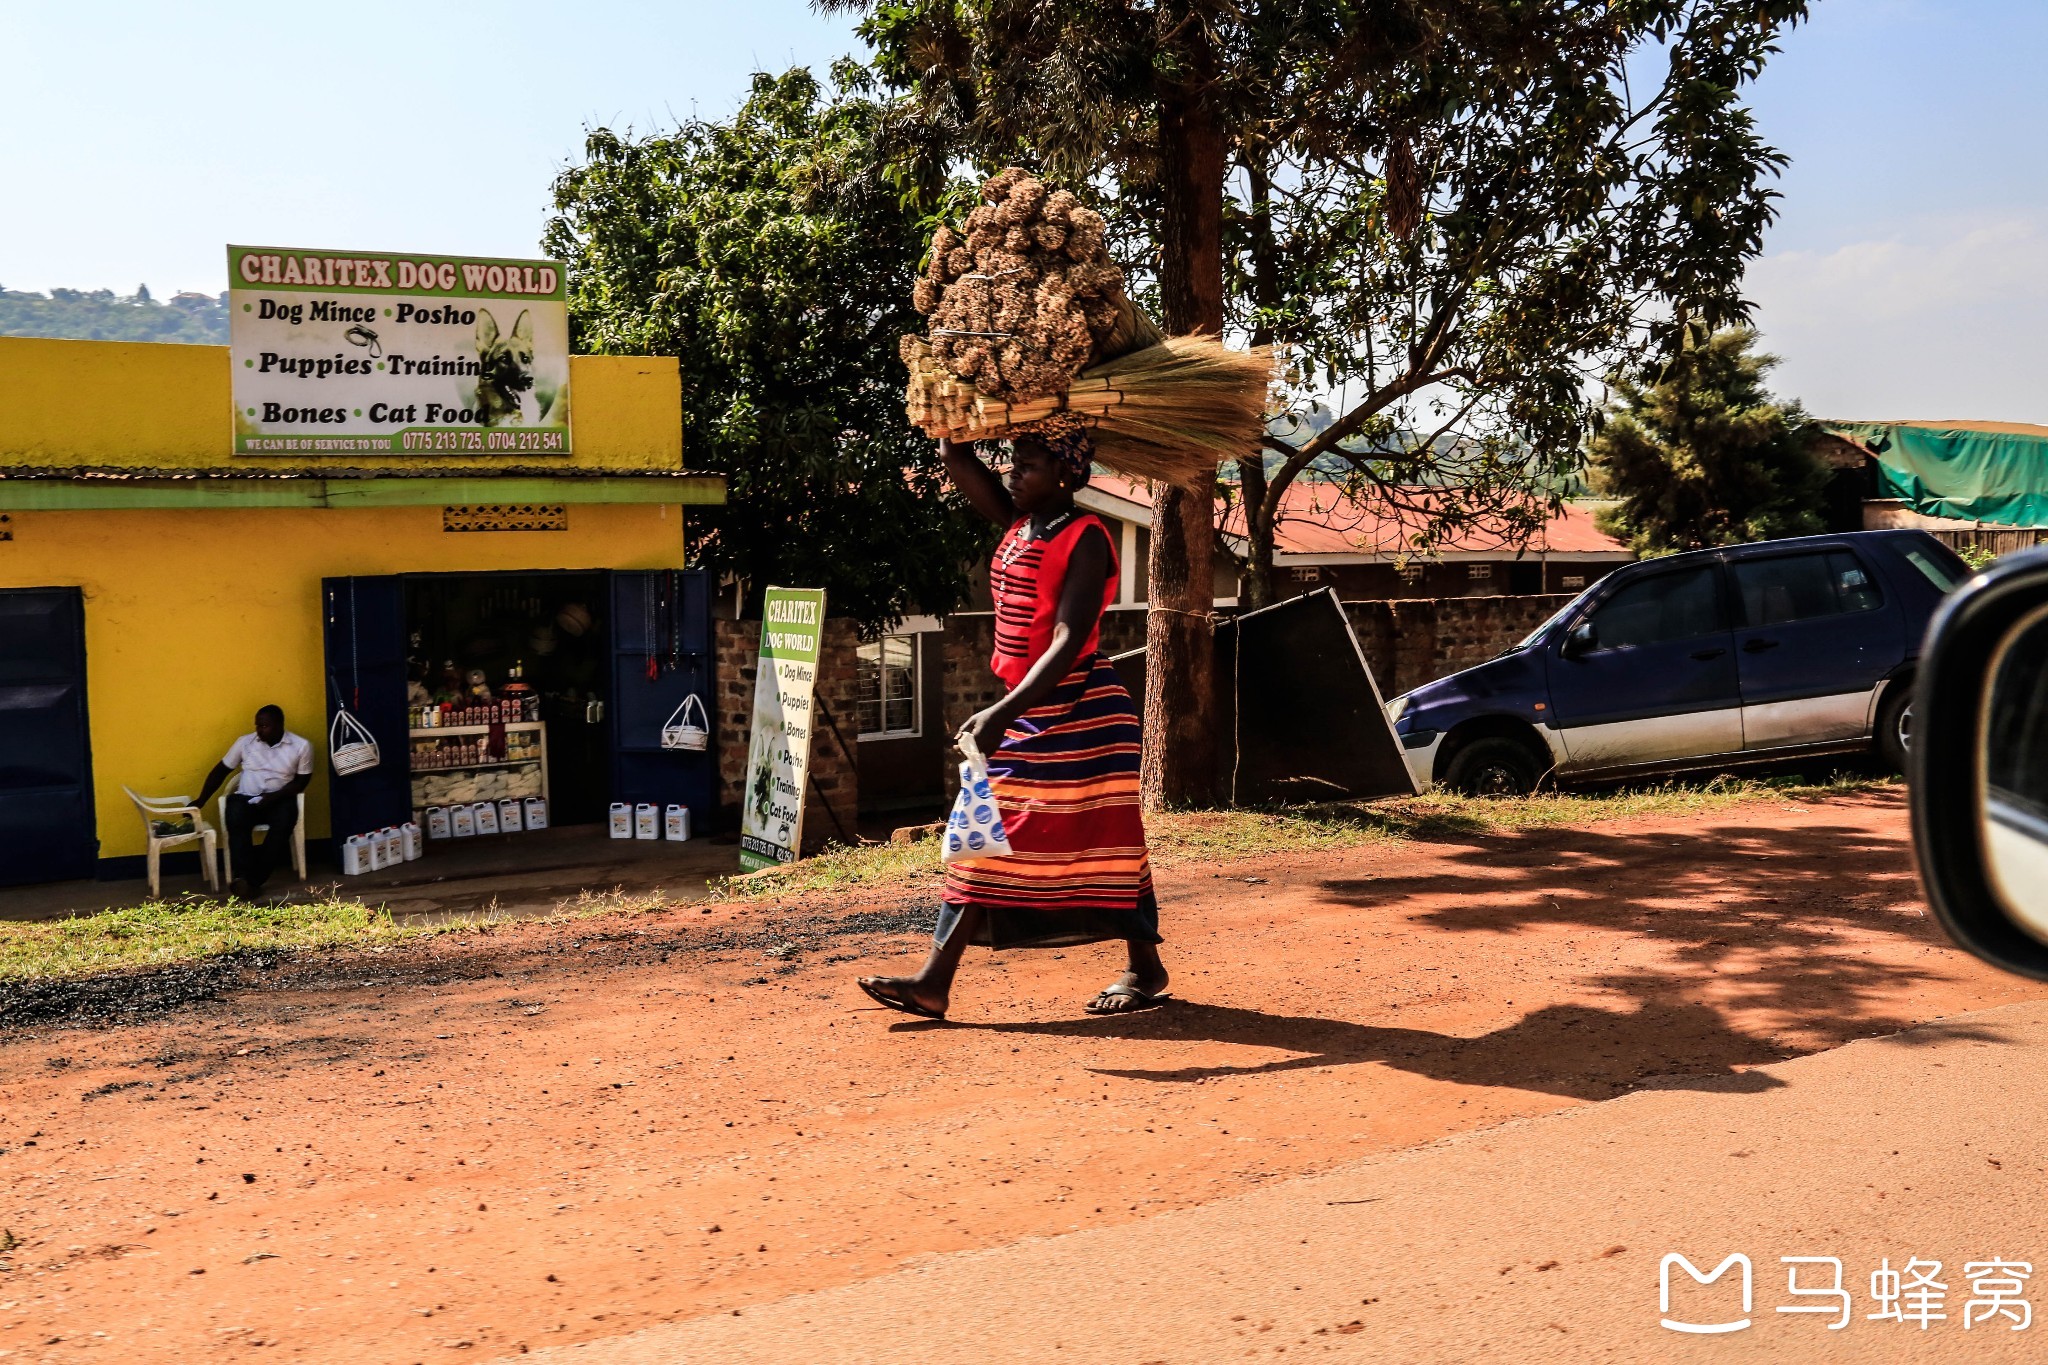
[165,932]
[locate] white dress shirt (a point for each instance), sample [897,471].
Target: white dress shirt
[268,768]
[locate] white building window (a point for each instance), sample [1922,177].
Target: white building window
[1479,573]
[887,674]
[1572,580]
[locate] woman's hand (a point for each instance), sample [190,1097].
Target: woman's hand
[982,724]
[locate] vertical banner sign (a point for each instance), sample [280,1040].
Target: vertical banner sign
[779,754]
[339,353]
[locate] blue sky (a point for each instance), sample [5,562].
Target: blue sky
[1901,281]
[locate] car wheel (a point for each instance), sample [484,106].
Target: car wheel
[1493,767]
[1895,725]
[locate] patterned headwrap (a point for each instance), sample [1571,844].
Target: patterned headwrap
[1071,447]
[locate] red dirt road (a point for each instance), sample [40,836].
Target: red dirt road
[552,1134]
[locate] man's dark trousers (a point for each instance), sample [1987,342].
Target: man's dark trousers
[252,860]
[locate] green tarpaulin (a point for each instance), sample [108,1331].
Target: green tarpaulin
[1974,473]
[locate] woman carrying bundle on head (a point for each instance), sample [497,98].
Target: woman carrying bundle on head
[1062,745]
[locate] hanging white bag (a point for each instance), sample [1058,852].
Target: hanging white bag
[682,733]
[350,748]
[975,829]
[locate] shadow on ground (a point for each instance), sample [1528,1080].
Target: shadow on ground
[1776,942]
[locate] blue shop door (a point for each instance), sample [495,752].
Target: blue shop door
[364,620]
[46,806]
[661,654]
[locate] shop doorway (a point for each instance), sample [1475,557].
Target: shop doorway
[538,642]
[512,686]
[46,805]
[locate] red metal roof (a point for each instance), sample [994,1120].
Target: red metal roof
[1315,519]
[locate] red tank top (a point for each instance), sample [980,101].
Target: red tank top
[1025,578]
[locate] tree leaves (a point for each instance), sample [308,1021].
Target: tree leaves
[1703,455]
[771,255]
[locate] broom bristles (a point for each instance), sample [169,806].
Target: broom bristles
[1166,413]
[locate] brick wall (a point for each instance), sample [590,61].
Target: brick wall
[1410,642]
[832,805]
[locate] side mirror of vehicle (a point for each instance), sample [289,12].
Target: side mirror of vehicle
[1978,765]
[1581,639]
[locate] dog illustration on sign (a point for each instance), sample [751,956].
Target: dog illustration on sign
[504,382]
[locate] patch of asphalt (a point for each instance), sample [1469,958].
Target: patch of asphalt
[116,999]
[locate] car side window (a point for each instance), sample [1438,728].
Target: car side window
[1786,588]
[1663,607]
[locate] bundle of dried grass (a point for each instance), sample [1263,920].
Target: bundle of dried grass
[1026,296]
[1168,413]
[1031,328]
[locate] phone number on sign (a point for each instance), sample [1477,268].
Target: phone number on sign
[543,441]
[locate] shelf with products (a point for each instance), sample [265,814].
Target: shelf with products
[533,762]
[453,764]
[510,727]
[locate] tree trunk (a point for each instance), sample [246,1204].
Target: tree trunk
[1258,534]
[1257,589]
[1179,764]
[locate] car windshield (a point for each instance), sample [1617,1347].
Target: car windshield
[1533,636]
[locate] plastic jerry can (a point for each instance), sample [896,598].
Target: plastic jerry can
[462,820]
[486,818]
[437,822]
[394,845]
[509,819]
[647,821]
[373,852]
[353,862]
[676,823]
[410,832]
[622,820]
[536,812]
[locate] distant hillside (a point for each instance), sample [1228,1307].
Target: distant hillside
[102,315]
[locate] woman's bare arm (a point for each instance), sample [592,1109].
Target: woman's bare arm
[979,484]
[1080,607]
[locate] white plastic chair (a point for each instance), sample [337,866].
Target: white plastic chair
[159,814]
[227,856]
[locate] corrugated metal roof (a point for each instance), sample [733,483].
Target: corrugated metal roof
[1315,519]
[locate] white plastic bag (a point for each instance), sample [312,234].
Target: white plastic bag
[975,830]
[350,747]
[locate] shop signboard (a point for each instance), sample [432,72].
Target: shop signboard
[348,353]
[779,751]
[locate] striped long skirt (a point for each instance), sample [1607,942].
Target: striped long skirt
[1066,782]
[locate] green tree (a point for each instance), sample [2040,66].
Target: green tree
[1704,455]
[768,254]
[1449,215]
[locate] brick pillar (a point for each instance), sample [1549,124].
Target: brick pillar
[835,769]
[832,805]
[968,684]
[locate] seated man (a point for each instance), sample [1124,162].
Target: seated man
[276,766]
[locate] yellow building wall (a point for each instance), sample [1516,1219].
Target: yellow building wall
[138,404]
[193,619]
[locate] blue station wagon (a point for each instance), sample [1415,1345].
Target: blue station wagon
[1742,654]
